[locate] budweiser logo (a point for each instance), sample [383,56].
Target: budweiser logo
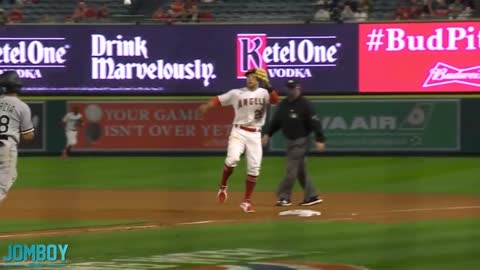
[443,74]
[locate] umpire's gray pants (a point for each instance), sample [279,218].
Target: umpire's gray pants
[296,169]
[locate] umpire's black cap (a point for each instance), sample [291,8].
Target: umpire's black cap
[291,83]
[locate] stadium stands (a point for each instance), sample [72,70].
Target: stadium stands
[62,10]
[31,11]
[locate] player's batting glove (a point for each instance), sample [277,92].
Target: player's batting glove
[262,75]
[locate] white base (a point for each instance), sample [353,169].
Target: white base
[300,213]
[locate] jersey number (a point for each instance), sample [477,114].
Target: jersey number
[4,121]
[259,113]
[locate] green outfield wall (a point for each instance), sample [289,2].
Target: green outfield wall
[376,125]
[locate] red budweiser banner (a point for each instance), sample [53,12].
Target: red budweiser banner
[419,57]
[152,126]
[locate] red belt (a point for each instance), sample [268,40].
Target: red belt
[250,129]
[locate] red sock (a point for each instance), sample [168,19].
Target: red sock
[249,187]
[227,171]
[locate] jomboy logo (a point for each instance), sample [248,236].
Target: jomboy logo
[35,255]
[286,56]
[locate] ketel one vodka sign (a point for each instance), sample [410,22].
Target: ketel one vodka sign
[287,56]
[33,57]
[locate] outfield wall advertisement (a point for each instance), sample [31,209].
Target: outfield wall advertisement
[178,59]
[419,57]
[423,57]
[152,126]
[387,125]
[350,126]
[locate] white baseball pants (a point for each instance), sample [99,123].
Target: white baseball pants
[250,143]
[71,136]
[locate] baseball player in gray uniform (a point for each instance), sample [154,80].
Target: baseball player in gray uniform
[15,124]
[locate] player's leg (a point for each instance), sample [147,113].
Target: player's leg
[236,147]
[294,157]
[7,175]
[254,155]
[71,142]
[4,174]
[66,150]
[310,195]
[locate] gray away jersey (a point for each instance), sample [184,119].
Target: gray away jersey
[15,117]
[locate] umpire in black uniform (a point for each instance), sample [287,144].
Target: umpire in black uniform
[297,119]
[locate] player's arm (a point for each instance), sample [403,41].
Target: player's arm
[274,97]
[64,120]
[26,125]
[80,122]
[28,136]
[223,100]
[215,101]
[263,77]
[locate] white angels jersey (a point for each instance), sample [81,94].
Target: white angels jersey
[250,106]
[72,121]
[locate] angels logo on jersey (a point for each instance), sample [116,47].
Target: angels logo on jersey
[251,101]
[292,56]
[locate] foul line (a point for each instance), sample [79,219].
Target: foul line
[196,222]
[78,231]
[431,209]
[71,231]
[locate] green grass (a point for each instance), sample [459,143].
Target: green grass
[410,246]
[7,226]
[425,245]
[331,174]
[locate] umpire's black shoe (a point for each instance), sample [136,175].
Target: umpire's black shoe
[283,202]
[311,201]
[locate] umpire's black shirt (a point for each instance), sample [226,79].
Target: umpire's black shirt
[297,119]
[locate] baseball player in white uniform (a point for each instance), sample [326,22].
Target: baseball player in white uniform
[72,121]
[15,124]
[250,104]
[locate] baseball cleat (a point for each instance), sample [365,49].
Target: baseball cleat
[283,202]
[311,201]
[222,194]
[247,207]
